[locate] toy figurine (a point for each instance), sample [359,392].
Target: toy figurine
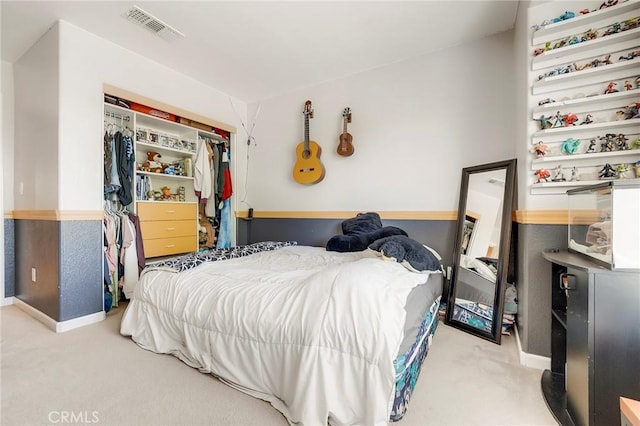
[166,193]
[608,3]
[613,29]
[627,85]
[570,146]
[545,101]
[623,171]
[558,120]
[610,88]
[587,120]
[544,122]
[538,51]
[569,119]
[542,175]
[607,172]
[629,56]
[540,149]
[621,142]
[558,176]
[636,144]
[592,146]
[584,11]
[630,111]
[574,174]
[630,24]
[607,145]
[590,34]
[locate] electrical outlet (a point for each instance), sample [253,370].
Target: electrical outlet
[33,274]
[448,272]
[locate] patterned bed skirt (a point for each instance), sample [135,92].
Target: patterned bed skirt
[408,365]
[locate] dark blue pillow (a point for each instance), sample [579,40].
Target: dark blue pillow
[410,253]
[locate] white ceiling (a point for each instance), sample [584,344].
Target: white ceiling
[256,50]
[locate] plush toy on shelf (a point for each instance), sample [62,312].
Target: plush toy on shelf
[153,163]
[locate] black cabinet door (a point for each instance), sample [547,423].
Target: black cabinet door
[578,355]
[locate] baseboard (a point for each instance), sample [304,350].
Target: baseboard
[59,327]
[7,301]
[530,360]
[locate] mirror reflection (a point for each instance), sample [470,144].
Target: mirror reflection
[481,257]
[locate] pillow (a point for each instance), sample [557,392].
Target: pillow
[408,252]
[362,223]
[360,241]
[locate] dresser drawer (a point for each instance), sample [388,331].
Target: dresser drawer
[168,229]
[167,246]
[166,211]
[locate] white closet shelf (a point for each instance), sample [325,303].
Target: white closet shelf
[588,76]
[574,25]
[165,149]
[619,42]
[163,175]
[169,201]
[596,100]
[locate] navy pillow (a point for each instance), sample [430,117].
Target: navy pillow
[410,253]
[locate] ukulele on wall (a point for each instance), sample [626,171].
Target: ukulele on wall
[345,148]
[308,168]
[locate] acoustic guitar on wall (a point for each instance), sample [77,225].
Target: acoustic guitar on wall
[345,148]
[308,168]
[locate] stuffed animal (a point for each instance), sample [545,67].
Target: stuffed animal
[408,252]
[359,232]
[153,163]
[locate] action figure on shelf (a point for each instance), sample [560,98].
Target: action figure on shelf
[607,145]
[569,119]
[636,144]
[545,101]
[574,174]
[544,122]
[592,147]
[542,175]
[628,85]
[621,142]
[629,56]
[558,176]
[630,111]
[623,171]
[570,146]
[608,3]
[587,120]
[540,149]
[590,34]
[610,88]
[558,120]
[607,172]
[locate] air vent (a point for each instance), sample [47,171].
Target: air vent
[151,23]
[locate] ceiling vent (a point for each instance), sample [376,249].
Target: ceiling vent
[151,23]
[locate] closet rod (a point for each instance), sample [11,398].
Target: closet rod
[118,116]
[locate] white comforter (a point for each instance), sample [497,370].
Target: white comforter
[313,332]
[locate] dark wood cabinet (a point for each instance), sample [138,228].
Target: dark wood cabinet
[595,341]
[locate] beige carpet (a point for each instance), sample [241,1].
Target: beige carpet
[92,375]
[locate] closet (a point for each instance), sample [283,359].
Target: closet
[168,179]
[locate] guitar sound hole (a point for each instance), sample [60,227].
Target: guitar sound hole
[306,154]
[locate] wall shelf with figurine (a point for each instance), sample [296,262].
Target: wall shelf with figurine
[587,103]
[582,22]
[586,65]
[598,46]
[615,71]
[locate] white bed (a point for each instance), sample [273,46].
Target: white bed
[313,332]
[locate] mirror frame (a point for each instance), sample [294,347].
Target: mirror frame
[504,250]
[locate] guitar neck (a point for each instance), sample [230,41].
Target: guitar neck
[306,132]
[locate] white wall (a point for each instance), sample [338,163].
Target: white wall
[415,125]
[36,126]
[6,151]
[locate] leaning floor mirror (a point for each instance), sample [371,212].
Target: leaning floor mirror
[482,248]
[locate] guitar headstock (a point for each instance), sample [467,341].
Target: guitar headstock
[346,114]
[308,110]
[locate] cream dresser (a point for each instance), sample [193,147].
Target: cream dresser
[168,228]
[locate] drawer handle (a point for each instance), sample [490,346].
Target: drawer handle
[171,211]
[171,229]
[170,245]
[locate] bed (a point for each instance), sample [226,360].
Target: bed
[325,337]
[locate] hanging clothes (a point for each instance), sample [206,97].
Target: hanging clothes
[202,173]
[224,236]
